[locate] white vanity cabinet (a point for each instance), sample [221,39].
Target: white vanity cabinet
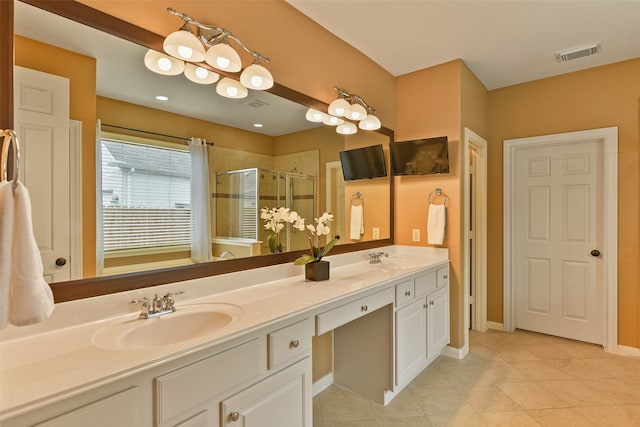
[270,374]
[421,322]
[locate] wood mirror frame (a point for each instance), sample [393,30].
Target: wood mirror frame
[84,288]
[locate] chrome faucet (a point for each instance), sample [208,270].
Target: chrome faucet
[158,306]
[374,257]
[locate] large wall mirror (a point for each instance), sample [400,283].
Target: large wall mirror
[286,162]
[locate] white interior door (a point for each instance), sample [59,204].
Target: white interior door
[558,224]
[41,108]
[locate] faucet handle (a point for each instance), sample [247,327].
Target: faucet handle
[169,302]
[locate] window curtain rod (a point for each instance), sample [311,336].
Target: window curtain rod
[181,138]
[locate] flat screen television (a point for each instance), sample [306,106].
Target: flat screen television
[363,163]
[420,156]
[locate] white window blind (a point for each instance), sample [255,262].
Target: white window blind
[146,196]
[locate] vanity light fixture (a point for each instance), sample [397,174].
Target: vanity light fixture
[351,107]
[194,43]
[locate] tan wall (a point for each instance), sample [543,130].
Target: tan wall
[428,105]
[81,72]
[595,98]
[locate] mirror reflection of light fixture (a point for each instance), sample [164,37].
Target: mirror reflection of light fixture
[230,88]
[350,106]
[185,46]
[163,64]
[200,75]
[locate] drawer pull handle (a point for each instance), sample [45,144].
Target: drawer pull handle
[425,306]
[431,302]
[235,416]
[295,344]
[364,308]
[407,294]
[445,277]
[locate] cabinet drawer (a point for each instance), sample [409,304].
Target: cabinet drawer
[187,387]
[289,343]
[346,313]
[443,276]
[425,283]
[405,292]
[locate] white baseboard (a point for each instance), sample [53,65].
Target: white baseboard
[495,325]
[456,353]
[624,350]
[322,384]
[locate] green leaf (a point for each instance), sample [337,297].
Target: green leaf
[327,248]
[304,259]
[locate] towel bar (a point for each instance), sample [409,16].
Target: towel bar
[438,192]
[9,136]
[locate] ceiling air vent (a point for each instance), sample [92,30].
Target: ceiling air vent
[578,52]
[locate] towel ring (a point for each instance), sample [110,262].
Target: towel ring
[438,193]
[9,136]
[356,196]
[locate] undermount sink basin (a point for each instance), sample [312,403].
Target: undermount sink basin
[186,323]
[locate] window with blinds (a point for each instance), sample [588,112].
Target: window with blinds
[146,196]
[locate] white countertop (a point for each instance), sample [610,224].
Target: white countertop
[42,364]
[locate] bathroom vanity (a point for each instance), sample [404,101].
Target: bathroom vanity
[231,355]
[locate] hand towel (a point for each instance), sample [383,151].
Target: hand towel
[6,235]
[31,299]
[357,222]
[435,224]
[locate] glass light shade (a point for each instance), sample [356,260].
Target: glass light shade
[183,44]
[371,122]
[332,120]
[314,115]
[223,57]
[230,88]
[200,75]
[357,112]
[255,76]
[339,107]
[163,64]
[346,128]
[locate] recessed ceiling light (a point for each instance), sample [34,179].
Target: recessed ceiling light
[162,98]
[258,125]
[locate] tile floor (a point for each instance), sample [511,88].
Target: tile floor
[508,379]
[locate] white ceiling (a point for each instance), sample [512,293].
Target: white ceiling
[503,42]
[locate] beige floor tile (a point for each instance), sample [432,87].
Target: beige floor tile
[593,392]
[509,419]
[547,351]
[403,405]
[517,352]
[537,370]
[612,415]
[487,398]
[430,377]
[465,416]
[354,423]
[532,395]
[405,422]
[337,404]
[438,400]
[580,368]
[565,417]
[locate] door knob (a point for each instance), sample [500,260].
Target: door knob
[595,252]
[61,262]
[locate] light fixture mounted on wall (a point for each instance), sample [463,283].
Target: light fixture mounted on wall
[351,107]
[194,43]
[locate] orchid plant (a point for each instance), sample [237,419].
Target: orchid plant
[275,220]
[316,234]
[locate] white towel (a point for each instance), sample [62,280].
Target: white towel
[30,297]
[357,222]
[6,236]
[435,224]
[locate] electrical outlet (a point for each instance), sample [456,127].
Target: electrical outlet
[376,232]
[415,235]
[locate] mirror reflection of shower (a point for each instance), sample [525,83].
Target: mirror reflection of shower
[239,196]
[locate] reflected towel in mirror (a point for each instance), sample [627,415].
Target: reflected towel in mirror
[356,230]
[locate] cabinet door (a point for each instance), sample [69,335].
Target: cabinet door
[437,322]
[282,400]
[411,340]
